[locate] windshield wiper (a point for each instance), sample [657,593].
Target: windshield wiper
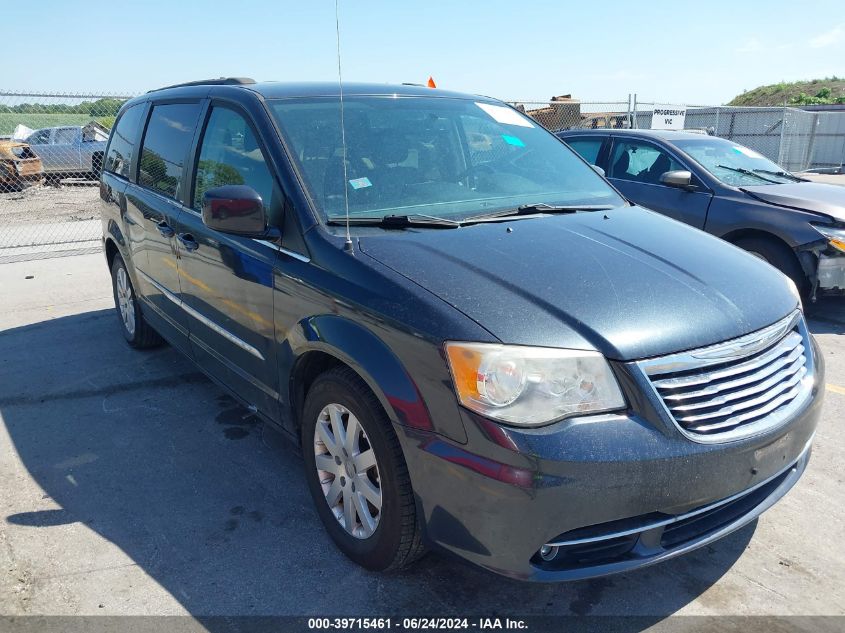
[782,174]
[540,207]
[396,221]
[748,172]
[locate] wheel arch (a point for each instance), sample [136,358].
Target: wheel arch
[326,341]
[805,258]
[738,234]
[111,250]
[114,244]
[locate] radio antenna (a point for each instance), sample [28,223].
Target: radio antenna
[348,245]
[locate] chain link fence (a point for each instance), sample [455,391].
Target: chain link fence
[796,139]
[51,148]
[565,113]
[51,151]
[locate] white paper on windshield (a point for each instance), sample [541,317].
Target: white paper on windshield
[748,152]
[501,114]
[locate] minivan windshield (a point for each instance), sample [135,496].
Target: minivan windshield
[734,164]
[445,157]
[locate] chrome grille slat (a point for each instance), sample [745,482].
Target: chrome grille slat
[795,357]
[771,406]
[762,399]
[783,375]
[786,344]
[736,388]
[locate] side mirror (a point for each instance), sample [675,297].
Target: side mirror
[598,170]
[680,178]
[235,209]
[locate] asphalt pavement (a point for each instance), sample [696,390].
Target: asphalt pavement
[133,485]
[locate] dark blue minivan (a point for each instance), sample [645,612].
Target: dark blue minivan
[731,191]
[477,343]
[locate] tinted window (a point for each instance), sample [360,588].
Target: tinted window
[587,147]
[430,155]
[230,155]
[640,162]
[166,141]
[41,137]
[123,141]
[65,136]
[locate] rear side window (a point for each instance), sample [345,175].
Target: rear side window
[166,142]
[123,142]
[588,148]
[65,136]
[41,137]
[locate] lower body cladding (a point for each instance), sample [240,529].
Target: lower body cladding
[597,495]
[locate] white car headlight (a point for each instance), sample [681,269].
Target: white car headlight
[835,237]
[530,386]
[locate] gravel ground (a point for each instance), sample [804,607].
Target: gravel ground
[48,220]
[50,204]
[133,485]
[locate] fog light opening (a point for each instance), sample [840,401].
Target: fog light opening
[548,552]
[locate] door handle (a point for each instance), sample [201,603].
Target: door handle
[188,241]
[165,229]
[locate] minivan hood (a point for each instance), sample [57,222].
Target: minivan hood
[629,283]
[817,197]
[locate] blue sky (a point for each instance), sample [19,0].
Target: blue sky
[671,52]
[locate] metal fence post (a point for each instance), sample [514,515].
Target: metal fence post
[636,123]
[811,144]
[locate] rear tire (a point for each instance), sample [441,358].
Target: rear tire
[388,535]
[778,255]
[135,328]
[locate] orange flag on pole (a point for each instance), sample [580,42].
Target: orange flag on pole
[431,83]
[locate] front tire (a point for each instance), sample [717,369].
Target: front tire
[357,474]
[135,328]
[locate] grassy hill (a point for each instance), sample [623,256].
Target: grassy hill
[827,90]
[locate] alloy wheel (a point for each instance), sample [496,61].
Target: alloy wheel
[125,303]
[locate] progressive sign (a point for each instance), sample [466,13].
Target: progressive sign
[667,117]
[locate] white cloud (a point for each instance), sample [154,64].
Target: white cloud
[828,38]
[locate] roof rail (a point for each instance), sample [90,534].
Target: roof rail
[221,81]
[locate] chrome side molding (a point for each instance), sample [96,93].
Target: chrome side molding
[202,318]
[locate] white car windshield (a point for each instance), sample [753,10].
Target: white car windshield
[450,157]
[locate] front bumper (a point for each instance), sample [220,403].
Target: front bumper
[632,485]
[831,272]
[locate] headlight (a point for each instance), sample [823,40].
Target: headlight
[835,237]
[531,385]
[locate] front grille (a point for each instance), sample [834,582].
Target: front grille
[737,386]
